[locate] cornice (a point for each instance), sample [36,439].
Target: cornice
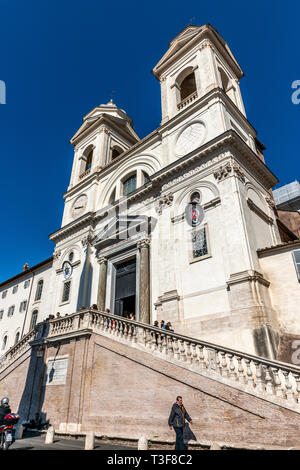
[104,119]
[27,272]
[227,141]
[287,246]
[158,133]
[247,276]
[72,227]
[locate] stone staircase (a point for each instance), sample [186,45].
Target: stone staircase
[275,382]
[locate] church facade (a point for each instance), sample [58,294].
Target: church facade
[178,226]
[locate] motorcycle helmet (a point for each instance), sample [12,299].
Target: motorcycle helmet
[4,401]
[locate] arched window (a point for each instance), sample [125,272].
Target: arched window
[39,290]
[17,337]
[224,80]
[188,86]
[33,319]
[4,342]
[88,160]
[195,197]
[129,185]
[146,177]
[112,197]
[116,151]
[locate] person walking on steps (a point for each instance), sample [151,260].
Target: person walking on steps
[177,419]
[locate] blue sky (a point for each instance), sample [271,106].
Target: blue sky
[61,58]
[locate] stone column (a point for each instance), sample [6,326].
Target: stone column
[144,287]
[102,284]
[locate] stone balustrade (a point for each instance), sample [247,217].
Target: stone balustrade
[271,380]
[187,100]
[275,381]
[18,349]
[84,174]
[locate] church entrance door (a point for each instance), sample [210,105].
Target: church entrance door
[125,291]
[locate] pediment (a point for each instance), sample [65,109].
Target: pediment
[104,118]
[124,228]
[185,35]
[178,42]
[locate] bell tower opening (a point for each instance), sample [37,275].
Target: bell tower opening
[188,86]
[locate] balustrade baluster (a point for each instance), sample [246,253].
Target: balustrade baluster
[188,353]
[250,380]
[154,340]
[218,363]
[125,330]
[224,368]
[202,362]
[241,376]
[176,349]
[146,338]
[258,373]
[297,379]
[195,360]
[232,374]
[122,328]
[158,342]
[182,350]
[277,382]
[288,387]
[165,339]
[268,380]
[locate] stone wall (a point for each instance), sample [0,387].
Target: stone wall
[120,391]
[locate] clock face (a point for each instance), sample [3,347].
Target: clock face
[190,138]
[79,205]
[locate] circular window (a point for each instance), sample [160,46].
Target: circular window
[190,138]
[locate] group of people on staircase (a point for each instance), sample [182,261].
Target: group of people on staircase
[163,325]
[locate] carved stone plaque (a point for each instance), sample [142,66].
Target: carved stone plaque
[57,371]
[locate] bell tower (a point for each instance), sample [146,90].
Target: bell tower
[106,132]
[197,61]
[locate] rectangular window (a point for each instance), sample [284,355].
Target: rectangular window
[15,289]
[296,256]
[1,314]
[26,284]
[23,306]
[4,294]
[66,291]
[129,185]
[11,311]
[199,242]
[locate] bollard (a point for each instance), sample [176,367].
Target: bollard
[215,446]
[50,435]
[143,443]
[89,440]
[19,431]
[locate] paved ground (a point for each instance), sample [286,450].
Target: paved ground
[34,441]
